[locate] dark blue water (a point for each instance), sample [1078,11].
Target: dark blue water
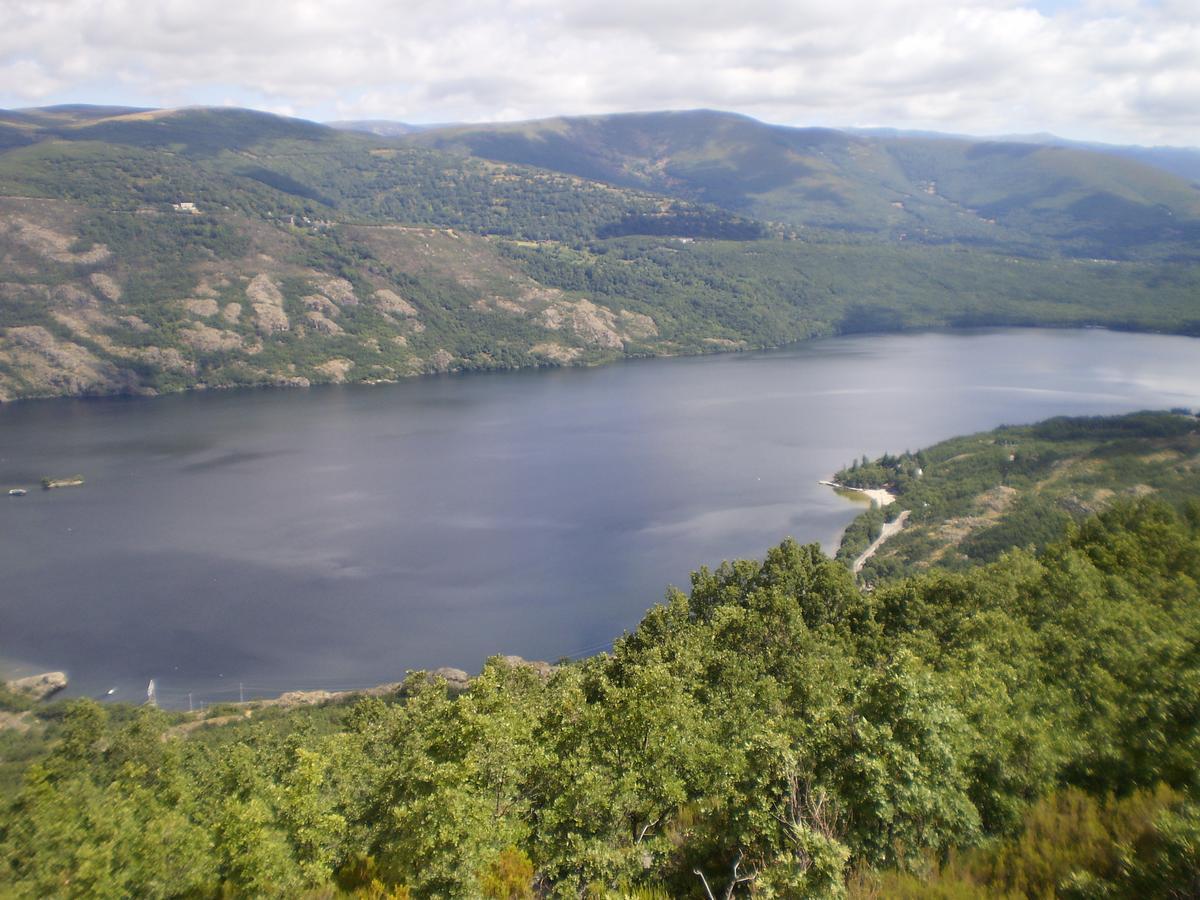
[336,537]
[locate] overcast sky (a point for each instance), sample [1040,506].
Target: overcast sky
[1116,70]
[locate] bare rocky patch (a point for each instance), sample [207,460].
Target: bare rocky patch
[637,325]
[591,324]
[994,502]
[595,325]
[86,323]
[339,290]
[135,323]
[51,244]
[167,359]
[50,366]
[335,370]
[106,286]
[440,360]
[73,296]
[390,302]
[204,339]
[267,300]
[321,304]
[321,324]
[556,352]
[201,306]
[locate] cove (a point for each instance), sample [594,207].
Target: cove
[337,536]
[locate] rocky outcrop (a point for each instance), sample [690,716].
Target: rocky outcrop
[54,366]
[556,352]
[440,360]
[543,668]
[322,304]
[638,325]
[52,244]
[38,687]
[391,302]
[335,369]
[166,358]
[340,291]
[105,285]
[596,326]
[456,679]
[210,340]
[201,306]
[320,323]
[267,300]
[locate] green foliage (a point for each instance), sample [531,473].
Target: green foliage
[13,702]
[1072,845]
[973,498]
[508,877]
[1011,197]
[480,249]
[860,533]
[1028,727]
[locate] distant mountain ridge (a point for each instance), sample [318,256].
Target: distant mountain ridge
[144,250]
[1178,160]
[380,127]
[1016,195]
[1181,161]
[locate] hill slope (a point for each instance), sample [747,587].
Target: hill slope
[156,250]
[973,498]
[1016,196]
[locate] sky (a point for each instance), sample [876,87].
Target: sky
[1120,71]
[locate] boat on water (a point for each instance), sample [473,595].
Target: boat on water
[17,492]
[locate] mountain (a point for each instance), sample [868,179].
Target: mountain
[1014,196]
[144,251]
[380,127]
[1181,161]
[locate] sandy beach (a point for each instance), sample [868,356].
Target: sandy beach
[879,495]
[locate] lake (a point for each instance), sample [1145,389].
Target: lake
[263,541]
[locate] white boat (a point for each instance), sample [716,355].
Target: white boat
[17,492]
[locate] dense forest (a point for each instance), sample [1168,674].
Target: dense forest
[1028,727]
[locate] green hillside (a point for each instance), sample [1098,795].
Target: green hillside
[971,499]
[1004,195]
[1026,728]
[144,251]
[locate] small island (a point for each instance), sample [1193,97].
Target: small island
[71,481]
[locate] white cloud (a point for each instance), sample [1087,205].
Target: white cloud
[1120,70]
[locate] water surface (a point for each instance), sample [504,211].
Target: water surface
[337,536]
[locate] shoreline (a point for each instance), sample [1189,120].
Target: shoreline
[456,680]
[881,497]
[272,385]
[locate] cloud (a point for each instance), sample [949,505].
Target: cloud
[1119,70]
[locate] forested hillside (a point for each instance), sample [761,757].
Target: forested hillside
[970,499]
[1014,196]
[1028,727]
[144,251]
